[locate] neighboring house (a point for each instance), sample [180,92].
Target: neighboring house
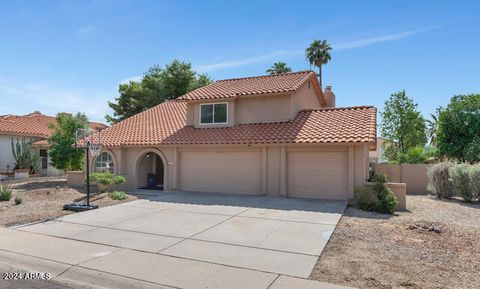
[377,152]
[34,128]
[266,135]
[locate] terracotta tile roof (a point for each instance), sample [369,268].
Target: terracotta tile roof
[34,124]
[165,124]
[281,83]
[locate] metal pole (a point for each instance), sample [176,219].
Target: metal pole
[88,178]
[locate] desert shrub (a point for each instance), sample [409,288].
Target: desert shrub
[459,175]
[5,192]
[474,176]
[107,179]
[18,200]
[439,182]
[118,195]
[366,198]
[472,151]
[376,196]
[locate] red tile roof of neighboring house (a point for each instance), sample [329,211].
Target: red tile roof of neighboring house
[34,125]
[280,83]
[165,124]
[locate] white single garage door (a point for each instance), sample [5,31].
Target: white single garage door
[224,172]
[319,175]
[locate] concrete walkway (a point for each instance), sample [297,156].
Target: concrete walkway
[180,240]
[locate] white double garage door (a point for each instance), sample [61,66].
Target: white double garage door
[309,174]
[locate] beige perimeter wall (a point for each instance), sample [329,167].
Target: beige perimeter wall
[310,171]
[414,175]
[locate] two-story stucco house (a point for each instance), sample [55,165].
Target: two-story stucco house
[265,135]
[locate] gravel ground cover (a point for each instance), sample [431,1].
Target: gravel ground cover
[43,198]
[435,244]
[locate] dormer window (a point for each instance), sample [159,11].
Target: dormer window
[213,113]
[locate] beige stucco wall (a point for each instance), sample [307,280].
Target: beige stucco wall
[264,109]
[414,175]
[260,108]
[272,167]
[304,98]
[6,157]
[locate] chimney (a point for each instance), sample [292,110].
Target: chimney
[329,96]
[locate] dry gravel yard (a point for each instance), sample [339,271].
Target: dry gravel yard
[370,250]
[43,198]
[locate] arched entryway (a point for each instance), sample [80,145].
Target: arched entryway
[151,173]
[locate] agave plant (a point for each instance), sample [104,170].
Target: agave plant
[35,163]
[22,153]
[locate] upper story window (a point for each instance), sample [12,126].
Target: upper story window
[213,113]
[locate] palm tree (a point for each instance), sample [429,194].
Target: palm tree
[432,126]
[279,68]
[318,54]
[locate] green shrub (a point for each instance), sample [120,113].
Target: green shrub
[366,198]
[107,179]
[474,176]
[415,155]
[472,151]
[459,175]
[18,200]
[118,195]
[376,196]
[5,192]
[439,182]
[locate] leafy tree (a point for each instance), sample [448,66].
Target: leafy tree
[63,154]
[459,128]
[279,68]
[402,125]
[157,85]
[318,54]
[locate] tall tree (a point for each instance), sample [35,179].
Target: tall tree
[157,85]
[63,154]
[402,126]
[318,54]
[458,135]
[279,68]
[432,126]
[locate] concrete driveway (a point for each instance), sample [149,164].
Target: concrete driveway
[184,240]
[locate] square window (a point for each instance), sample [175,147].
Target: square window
[213,113]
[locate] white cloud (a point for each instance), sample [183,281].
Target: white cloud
[51,100]
[274,55]
[379,39]
[84,31]
[248,60]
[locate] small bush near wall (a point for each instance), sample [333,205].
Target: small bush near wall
[118,195]
[5,192]
[439,182]
[105,180]
[459,175]
[474,175]
[376,196]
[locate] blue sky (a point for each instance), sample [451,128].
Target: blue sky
[71,55]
